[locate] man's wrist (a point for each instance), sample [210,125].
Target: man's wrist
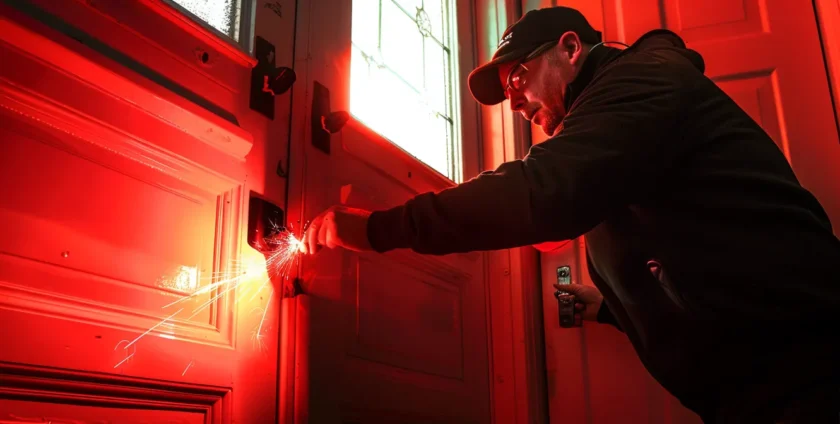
[385,230]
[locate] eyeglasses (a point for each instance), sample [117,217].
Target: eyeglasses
[516,77]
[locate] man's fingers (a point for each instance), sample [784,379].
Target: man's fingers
[322,233]
[304,244]
[569,288]
[310,242]
[331,241]
[310,239]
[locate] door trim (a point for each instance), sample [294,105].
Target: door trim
[828,16]
[42,384]
[199,154]
[516,335]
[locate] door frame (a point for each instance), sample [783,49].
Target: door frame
[515,312]
[828,16]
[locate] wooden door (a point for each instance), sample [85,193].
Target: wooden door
[788,94]
[398,337]
[128,153]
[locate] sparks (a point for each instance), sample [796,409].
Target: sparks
[163,321]
[127,354]
[285,249]
[257,334]
[187,368]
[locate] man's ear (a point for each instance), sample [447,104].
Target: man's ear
[571,46]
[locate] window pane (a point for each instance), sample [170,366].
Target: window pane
[409,6]
[438,19]
[402,44]
[365,25]
[401,74]
[387,105]
[222,15]
[437,77]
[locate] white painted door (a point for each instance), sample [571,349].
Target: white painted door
[128,152]
[398,337]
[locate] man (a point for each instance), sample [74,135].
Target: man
[703,247]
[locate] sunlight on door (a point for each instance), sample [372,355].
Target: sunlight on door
[401,77]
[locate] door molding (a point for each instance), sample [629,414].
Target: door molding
[171,142]
[518,378]
[51,385]
[828,16]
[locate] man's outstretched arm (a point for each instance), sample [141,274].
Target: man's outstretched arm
[613,148]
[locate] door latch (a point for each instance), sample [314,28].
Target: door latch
[265,223]
[565,301]
[267,80]
[325,122]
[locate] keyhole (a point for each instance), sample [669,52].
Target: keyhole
[205,57]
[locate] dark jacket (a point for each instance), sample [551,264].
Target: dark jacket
[721,269]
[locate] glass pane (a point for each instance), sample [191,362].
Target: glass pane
[410,6]
[402,44]
[440,140]
[436,87]
[387,105]
[400,77]
[438,19]
[365,25]
[222,15]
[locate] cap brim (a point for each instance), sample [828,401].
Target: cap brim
[484,82]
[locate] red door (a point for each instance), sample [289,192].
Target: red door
[399,337]
[127,154]
[788,94]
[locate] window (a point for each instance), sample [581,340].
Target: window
[232,20]
[401,78]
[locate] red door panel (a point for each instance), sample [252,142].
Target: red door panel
[19,411]
[743,44]
[127,290]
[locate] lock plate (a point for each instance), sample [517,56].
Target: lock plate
[565,301]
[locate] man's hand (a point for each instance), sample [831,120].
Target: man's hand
[338,226]
[587,299]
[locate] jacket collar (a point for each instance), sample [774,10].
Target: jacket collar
[599,56]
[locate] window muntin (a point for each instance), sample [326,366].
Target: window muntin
[401,77]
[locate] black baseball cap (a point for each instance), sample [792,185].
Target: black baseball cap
[537,27]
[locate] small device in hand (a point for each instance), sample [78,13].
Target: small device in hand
[565,301]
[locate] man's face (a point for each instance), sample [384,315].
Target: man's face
[542,81]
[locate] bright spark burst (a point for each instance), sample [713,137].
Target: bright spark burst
[285,248]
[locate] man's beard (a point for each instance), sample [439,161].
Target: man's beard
[555,119]
[553,124]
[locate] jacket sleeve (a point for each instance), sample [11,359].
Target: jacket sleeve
[612,149]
